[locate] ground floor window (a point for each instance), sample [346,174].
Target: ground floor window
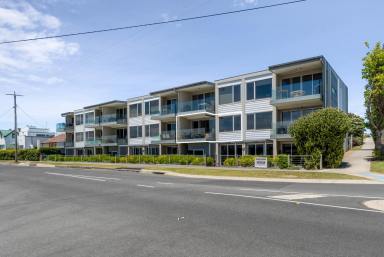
[170,150]
[79,152]
[230,151]
[199,152]
[136,150]
[260,149]
[89,151]
[288,148]
[152,150]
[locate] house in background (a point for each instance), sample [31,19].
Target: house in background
[30,137]
[7,139]
[56,142]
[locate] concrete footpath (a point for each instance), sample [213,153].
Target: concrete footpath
[358,162]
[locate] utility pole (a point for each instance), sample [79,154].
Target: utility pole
[15,131]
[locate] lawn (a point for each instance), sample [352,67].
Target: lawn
[257,173]
[377,166]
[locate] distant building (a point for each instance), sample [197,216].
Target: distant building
[31,137]
[56,142]
[7,139]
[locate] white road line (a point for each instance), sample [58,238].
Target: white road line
[145,186]
[107,178]
[83,176]
[294,192]
[296,202]
[297,196]
[75,176]
[164,183]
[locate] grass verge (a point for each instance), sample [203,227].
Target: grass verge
[258,173]
[377,167]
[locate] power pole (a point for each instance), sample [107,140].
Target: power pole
[15,132]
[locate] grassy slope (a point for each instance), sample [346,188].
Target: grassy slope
[377,166]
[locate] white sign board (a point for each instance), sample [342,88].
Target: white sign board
[261,162]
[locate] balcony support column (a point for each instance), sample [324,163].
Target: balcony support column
[274,147]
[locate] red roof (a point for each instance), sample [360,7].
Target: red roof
[57,139]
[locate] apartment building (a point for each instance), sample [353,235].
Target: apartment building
[244,114]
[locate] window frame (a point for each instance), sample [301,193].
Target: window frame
[233,100]
[254,86]
[232,118]
[139,110]
[255,123]
[138,133]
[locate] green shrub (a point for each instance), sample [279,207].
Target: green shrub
[282,161]
[210,161]
[230,162]
[313,161]
[322,131]
[247,161]
[49,151]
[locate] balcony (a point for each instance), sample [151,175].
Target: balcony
[108,119]
[167,113]
[122,141]
[69,144]
[280,129]
[166,137]
[198,108]
[198,134]
[292,95]
[69,127]
[109,140]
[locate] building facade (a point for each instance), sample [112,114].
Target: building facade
[31,137]
[247,114]
[7,139]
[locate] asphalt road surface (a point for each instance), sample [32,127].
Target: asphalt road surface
[74,212]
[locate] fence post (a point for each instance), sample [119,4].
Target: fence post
[289,160]
[321,161]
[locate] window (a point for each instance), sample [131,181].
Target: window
[229,94]
[135,110]
[121,133]
[152,150]
[121,113]
[317,81]
[89,135]
[263,88]
[308,84]
[137,150]
[79,137]
[269,149]
[152,130]
[259,89]
[79,119]
[152,107]
[230,123]
[260,120]
[135,132]
[89,117]
[264,120]
[256,149]
[250,121]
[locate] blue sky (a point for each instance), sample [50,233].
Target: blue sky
[65,74]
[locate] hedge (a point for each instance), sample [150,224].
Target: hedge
[25,154]
[147,159]
[281,161]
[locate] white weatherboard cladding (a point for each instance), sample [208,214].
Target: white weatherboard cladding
[252,135]
[135,141]
[230,136]
[260,105]
[148,120]
[136,121]
[228,108]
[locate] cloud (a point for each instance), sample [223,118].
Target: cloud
[34,59]
[243,3]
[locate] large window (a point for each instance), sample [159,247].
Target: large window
[260,149]
[135,110]
[79,119]
[230,123]
[89,135]
[152,107]
[121,133]
[308,84]
[135,132]
[259,89]
[229,94]
[292,115]
[152,130]
[260,120]
[121,113]
[79,137]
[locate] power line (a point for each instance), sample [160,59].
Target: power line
[6,112]
[30,117]
[154,23]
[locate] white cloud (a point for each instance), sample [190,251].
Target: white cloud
[20,20]
[243,3]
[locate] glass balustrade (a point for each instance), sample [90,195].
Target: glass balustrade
[196,134]
[196,105]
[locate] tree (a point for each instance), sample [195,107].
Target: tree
[321,133]
[357,128]
[373,72]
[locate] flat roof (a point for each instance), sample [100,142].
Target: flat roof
[286,64]
[66,114]
[182,87]
[105,103]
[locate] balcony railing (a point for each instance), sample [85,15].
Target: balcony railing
[281,129]
[69,144]
[197,134]
[197,106]
[168,135]
[122,141]
[68,127]
[109,139]
[93,142]
[292,91]
[169,110]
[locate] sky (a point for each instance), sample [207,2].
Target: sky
[59,75]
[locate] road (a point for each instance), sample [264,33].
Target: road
[74,212]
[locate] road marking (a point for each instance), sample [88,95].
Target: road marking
[294,192]
[107,178]
[145,186]
[375,204]
[164,183]
[297,196]
[75,176]
[296,202]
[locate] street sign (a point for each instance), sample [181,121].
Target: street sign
[261,162]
